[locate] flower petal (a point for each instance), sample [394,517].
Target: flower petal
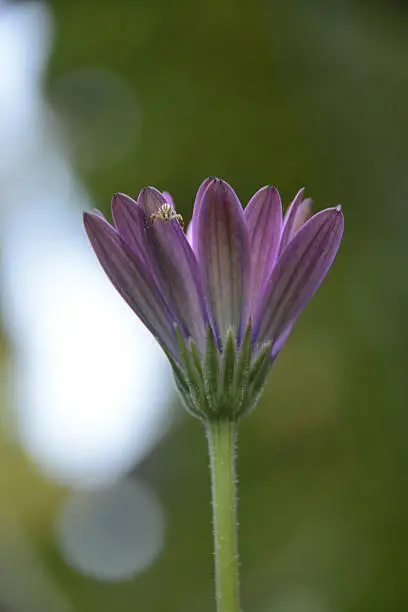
[189,234]
[264,221]
[169,198]
[176,269]
[296,215]
[297,275]
[304,213]
[131,278]
[224,258]
[129,219]
[192,229]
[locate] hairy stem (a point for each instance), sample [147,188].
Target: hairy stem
[221,439]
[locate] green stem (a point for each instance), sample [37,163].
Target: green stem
[221,440]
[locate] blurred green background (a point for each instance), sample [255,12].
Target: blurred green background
[293,94]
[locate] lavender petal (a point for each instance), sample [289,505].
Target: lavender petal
[189,234]
[192,229]
[296,214]
[176,268]
[224,258]
[263,216]
[129,275]
[129,220]
[297,275]
[169,198]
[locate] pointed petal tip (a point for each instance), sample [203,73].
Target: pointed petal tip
[151,199]
[270,190]
[150,189]
[266,193]
[210,180]
[95,223]
[219,189]
[129,221]
[216,181]
[121,199]
[147,189]
[119,195]
[336,214]
[89,215]
[116,203]
[332,215]
[299,195]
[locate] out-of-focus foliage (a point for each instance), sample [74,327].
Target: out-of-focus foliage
[290,93]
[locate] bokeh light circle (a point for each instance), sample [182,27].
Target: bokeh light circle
[112,533]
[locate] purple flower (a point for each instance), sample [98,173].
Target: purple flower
[222,299]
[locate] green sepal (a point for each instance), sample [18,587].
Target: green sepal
[259,364]
[211,371]
[220,383]
[196,357]
[242,372]
[186,400]
[182,386]
[228,364]
[179,376]
[257,378]
[192,376]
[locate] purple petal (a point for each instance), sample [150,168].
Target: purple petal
[297,275]
[131,278]
[129,219]
[189,233]
[95,211]
[176,269]
[224,257]
[304,213]
[192,230]
[169,198]
[292,220]
[264,221]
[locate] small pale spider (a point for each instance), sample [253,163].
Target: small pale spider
[166,212]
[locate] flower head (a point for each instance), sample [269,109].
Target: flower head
[222,299]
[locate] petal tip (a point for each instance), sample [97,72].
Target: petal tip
[151,199]
[119,195]
[273,193]
[219,188]
[119,199]
[90,215]
[215,182]
[149,190]
[145,190]
[271,189]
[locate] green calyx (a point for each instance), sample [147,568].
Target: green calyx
[225,384]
